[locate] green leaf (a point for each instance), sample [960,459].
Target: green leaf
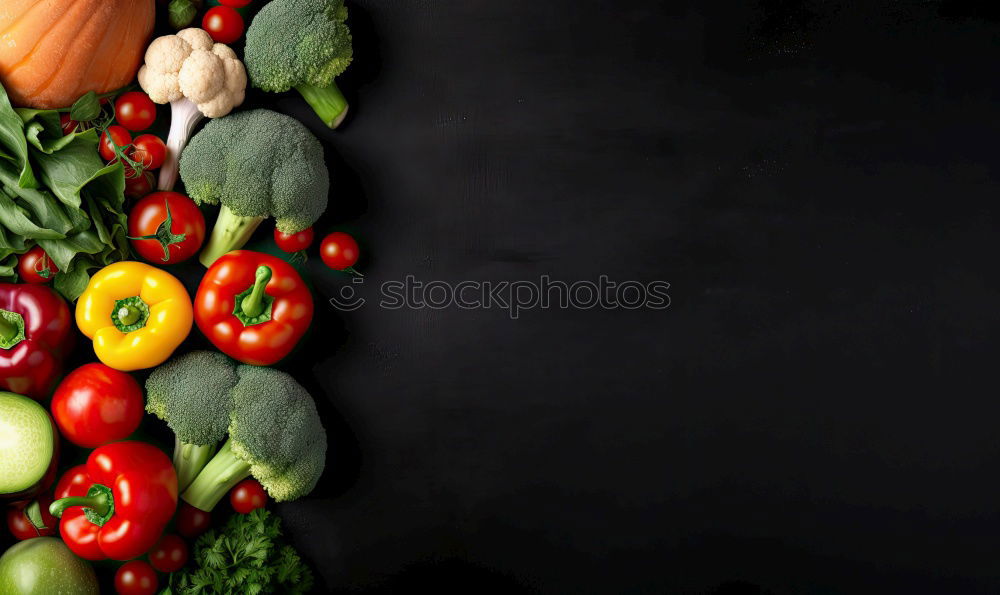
[86,108]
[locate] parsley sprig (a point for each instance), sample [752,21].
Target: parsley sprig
[246,556]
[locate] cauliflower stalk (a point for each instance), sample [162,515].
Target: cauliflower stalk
[198,78]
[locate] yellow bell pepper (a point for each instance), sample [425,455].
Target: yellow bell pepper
[136,315]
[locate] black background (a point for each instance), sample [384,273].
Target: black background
[814,413]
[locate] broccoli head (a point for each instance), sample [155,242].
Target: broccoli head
[314,48]
[275,435]
[256,164]
[193,394]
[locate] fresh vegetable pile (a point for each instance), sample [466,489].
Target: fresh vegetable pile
[96,209]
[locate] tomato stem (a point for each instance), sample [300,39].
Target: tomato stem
[164,235]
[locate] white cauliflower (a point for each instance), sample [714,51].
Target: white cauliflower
[198,78]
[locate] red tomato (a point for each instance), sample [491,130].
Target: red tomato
[339,251]
[234,3]
[293,242]
[140,185]
[135,110]
[223,23]
[170,554]
[157,242]
[21,528]
[135,578]
[69,125]
[192,522]
[119,136]
[35,266]
[247,496]
[95,405]
[149,150]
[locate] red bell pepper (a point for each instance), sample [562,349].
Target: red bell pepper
[119,504]
[253,307]
[36,333]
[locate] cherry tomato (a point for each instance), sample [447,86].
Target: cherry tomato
[21,528]
[135,110]
[140,185]
[192,522]
[149,150]
[223,23]
[339,251]
[95,405]
[35,266]
[135,578]
[293,242]
[170,554]
[234,3]
[158,242]
[119,136]
[69,125]
[247,496]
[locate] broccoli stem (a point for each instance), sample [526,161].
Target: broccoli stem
[220,475]
[328,102]
[231,232]
[189,460]
[184,116]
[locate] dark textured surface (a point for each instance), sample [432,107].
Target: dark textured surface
[814,413]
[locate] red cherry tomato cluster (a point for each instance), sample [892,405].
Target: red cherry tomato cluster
[134,112]
[339,250]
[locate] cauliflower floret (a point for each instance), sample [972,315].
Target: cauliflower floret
[198,78]
[190,65]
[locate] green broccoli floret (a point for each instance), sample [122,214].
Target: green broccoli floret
[301,44]
[257,164]
[193,394]
[275,435]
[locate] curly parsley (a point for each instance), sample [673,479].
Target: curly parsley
[246,556]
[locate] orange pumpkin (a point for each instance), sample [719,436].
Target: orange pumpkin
[54,51]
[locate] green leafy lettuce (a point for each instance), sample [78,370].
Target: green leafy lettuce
[55,191]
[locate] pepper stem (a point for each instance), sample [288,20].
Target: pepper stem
[11,329]
[129,314]
[253,304]
[7,330]
[98,505]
